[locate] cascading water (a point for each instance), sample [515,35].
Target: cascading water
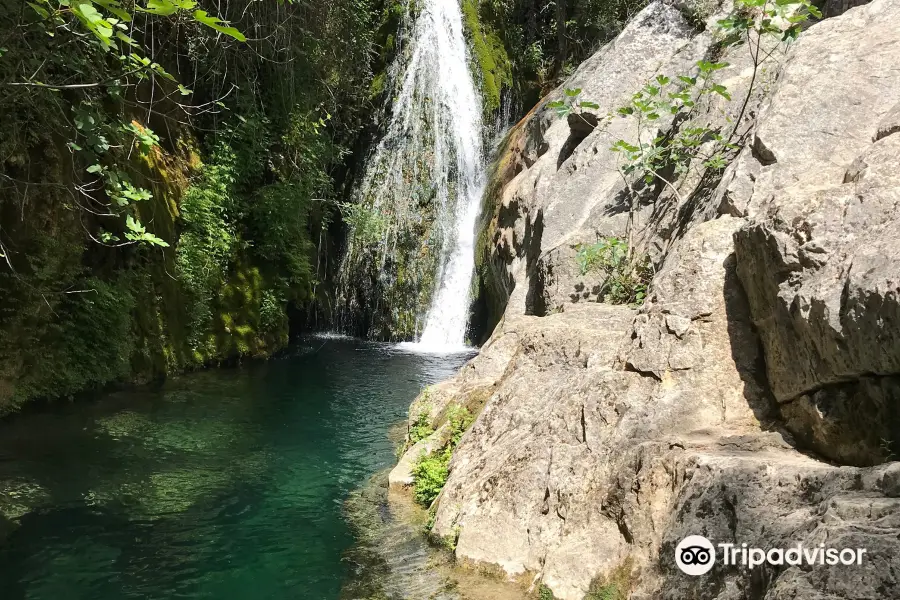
[427,174]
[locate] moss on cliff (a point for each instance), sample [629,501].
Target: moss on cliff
[490,56]
[77,314]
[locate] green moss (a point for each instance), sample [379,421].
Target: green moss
[377,86]
[490,54]
[617,585]
[134,315]
[87,344]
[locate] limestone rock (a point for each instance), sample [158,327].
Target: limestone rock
[819,259]
[768,342]
[532,483]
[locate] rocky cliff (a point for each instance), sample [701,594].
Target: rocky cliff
[752,398]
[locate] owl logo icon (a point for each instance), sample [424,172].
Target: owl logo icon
[695,555]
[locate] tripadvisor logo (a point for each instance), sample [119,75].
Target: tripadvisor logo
[696,555]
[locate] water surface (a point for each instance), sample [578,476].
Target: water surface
[221,484]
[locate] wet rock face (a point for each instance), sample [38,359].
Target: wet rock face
[753,396]
[819,257]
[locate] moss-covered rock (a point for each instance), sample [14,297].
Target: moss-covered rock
[494,67]
[493,284]
[77,314]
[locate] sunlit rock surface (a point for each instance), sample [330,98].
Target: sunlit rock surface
[753,397]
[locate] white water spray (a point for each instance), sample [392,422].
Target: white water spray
[435,139]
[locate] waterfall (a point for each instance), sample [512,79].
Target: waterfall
[445,325]
[427,173]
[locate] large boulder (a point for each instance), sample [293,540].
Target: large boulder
[612,434]
[820,258]
[530,482]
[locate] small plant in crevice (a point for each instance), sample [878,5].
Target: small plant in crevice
[367,225]
[421,428]
[752,21]
[625,277]
[617,585]
[545,593]
[430,474]
[432,515]
[676,150]
[670,140]
[430,471]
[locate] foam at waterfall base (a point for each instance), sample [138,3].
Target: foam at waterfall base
[435,348]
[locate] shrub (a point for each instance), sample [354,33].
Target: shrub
[616,586]
[545,593]
[626,279]
[460,419]
[431,471]
[430,474]
[421,428]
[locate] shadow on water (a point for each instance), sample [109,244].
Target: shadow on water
[225,484]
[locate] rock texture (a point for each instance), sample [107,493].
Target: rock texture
[753,397]
[562,188]
[819,257]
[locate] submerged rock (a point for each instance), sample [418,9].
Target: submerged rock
[391,560]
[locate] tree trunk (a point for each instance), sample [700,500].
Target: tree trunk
[561,48]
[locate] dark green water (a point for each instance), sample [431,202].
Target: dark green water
[223,484]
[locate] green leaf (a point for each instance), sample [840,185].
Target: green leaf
[107,237]
[87,12]
[573,93]
[165,8]
[591,105]
[94,169]
[115,8]
[40,10]
[721,90]
[222,26]
[621,145]
[134,225]
[125,38]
